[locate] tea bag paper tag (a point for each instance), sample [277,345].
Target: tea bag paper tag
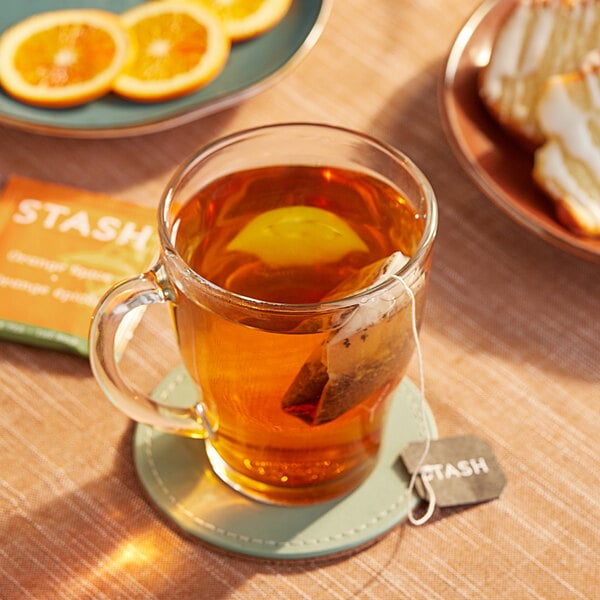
[461,470]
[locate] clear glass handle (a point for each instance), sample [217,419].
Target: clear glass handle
[108,318]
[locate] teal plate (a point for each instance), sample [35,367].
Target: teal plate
[177,478]
[252,66]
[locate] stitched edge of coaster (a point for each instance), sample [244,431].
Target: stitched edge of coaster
[400,502]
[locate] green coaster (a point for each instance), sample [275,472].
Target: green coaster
[176,474]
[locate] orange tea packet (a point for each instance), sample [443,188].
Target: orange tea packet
[61,248]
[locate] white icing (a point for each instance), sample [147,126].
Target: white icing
[568,126]
[521,44]
[559,117]
[538,39]
[585,208]
[551,166]
[505,56]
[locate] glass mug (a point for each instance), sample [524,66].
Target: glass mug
[292,258]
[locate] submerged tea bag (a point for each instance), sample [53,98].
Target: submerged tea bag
[361,357]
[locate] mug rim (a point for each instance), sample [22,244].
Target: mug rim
[178,177]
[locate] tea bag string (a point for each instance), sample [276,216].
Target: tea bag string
[416,471]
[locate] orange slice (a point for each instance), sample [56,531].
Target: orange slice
[179,47]
[297,235]
[63,58]
[244,19]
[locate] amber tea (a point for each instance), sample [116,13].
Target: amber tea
[292,258]
[294,407]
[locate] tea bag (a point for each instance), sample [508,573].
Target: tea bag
[360,357]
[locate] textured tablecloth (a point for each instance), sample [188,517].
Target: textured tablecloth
[511,342]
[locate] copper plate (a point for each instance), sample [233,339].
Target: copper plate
[495,162]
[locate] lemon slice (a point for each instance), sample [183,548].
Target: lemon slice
[179,48]
[63,58]
[297,236]
[244,19]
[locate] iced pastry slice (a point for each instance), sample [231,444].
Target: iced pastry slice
[567,166]
[538,39]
